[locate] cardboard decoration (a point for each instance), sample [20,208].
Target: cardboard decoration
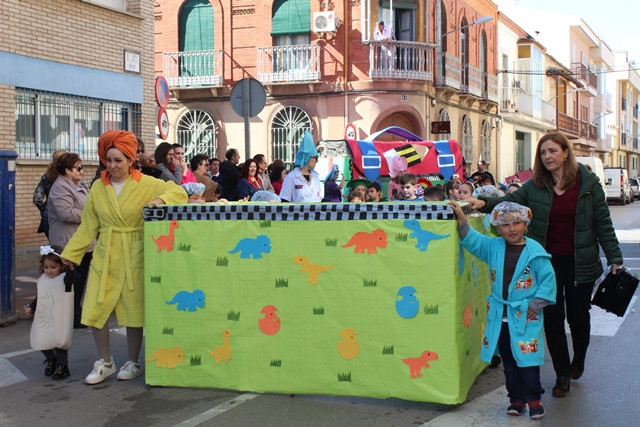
[53,320]
[373,300]
[371,158]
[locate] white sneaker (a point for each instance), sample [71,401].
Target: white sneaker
[129,371]
[101,370]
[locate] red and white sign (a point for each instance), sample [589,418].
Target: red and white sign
[163,123]
[162,91]
[350,132]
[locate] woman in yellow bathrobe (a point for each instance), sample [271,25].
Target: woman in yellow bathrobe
[113,214]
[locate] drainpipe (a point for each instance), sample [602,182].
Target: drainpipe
[346,63]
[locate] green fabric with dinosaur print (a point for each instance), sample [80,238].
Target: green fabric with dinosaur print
[372,308]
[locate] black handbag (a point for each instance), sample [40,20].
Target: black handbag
[615,292]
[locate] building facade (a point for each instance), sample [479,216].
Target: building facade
[71,69]
[626,81]
[322,68]
[527,107]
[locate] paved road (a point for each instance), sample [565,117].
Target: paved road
[606,395]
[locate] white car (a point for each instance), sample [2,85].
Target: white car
[635,186]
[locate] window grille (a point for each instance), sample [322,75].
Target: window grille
[196,132]
[287,129]
[48,121]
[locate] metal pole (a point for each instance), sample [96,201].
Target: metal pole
[247,115]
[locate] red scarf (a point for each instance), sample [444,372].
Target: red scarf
[255,182]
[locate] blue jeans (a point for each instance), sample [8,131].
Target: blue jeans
[523,384]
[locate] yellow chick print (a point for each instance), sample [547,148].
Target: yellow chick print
[349,347]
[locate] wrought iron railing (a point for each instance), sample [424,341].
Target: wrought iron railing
[289,64]
[400,60]
[193,69]
[449,71]
[490,88]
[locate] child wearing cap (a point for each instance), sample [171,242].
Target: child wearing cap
[522,283]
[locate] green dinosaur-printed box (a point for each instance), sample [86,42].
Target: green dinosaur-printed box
[375,308]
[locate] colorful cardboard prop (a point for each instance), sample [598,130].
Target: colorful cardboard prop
[371,158]
[373,300]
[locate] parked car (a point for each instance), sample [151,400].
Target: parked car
[635,187]
[618,185]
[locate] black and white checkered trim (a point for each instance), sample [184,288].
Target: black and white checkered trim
[299,212]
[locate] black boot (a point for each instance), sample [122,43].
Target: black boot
[62,371]
[49,366]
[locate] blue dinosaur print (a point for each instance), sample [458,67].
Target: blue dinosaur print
[253,247]
[407,306]
[424,237]
[188,301]
[460,260]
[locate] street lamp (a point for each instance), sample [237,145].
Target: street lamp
[476,22]
[601,116]
[439,59]
[575,89]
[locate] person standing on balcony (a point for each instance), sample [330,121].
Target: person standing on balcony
[382,33]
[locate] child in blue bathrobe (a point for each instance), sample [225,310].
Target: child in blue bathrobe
[522,283]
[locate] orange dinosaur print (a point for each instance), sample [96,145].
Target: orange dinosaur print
[524,284]
[313,270]
[166,242]
[222,352]
[369,242]
[417,363]
[466,317]
[167,357]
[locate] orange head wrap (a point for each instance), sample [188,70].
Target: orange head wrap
[124,141]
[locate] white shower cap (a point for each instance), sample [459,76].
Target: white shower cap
[508,212]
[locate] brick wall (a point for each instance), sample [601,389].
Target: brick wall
[78,33]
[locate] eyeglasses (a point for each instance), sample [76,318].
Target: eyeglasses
[78,168]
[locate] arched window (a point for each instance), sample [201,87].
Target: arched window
[485,152]
[287,129]
[464,55]
[442,45]
[196,132]
[467,139]
[196,35]
[443,117]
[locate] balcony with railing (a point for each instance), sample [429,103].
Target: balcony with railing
[568,124]
[517,100]
[490,88]
[199,68]
[449,71]
[400,60]
[289,64]
[588,131]
[585,74]
[473,83]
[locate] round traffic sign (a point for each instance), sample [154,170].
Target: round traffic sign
[162,91]
[163,123]
[248,93]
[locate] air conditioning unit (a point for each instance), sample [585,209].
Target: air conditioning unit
[325,22]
